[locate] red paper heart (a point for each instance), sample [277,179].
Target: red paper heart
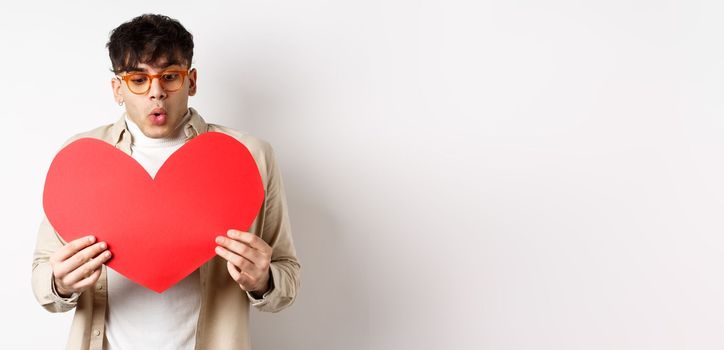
[159,230]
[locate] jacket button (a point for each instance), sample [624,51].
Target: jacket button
[97,332]
[99,286]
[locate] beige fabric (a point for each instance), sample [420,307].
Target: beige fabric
[224,316]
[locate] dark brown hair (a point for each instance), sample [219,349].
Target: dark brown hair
[147,39]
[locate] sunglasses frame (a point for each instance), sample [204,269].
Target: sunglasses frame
[126,77]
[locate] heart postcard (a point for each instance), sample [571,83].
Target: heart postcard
[159,229]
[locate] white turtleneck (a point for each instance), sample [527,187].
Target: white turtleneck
[137,317]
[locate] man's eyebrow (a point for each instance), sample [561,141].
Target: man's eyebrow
[135,69]
[139,69]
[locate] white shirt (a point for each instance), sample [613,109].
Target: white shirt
[137,317]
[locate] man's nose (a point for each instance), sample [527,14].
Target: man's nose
[156,92]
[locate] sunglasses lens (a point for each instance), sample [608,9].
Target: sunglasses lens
[138,83]
[171,81]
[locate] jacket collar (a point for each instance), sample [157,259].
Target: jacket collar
[121,136]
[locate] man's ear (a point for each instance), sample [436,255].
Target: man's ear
[192,82]
[116,86]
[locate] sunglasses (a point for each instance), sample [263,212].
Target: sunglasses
[140,83]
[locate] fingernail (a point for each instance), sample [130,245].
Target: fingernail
[103,245]
[219,240]
[218,250]
[231,233]
[91,239]
[106,253]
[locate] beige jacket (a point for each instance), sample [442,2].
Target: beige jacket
[224,316]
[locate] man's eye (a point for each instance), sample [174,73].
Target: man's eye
[170,76]
[138,79]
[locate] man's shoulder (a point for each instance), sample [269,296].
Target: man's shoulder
[260,149]
[102,132]
[257,146]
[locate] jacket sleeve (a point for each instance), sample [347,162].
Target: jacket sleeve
[276,231]
[42,279]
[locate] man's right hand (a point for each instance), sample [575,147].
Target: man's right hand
[77,265]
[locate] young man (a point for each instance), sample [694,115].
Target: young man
[151,57]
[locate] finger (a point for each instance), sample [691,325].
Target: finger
[237,260]
[86,270]
[73,247]
[87,282]
[243,279]
[235,273]
[251,239]
[80,258]
[241,249]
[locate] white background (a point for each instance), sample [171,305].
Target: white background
[461,175]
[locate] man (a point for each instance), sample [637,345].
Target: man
[151,57]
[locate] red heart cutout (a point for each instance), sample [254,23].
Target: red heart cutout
[159,229]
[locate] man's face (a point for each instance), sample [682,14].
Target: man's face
[157,112]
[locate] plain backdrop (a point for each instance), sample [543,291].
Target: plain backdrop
[461,174]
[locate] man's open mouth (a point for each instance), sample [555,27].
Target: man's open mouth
[158,116]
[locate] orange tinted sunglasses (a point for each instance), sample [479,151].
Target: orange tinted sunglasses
[139,83]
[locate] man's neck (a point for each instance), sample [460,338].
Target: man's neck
[140,139]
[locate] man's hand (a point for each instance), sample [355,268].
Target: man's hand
[248,258]
[77,265]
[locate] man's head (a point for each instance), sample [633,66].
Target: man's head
[150,45]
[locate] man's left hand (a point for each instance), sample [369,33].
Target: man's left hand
[247,259]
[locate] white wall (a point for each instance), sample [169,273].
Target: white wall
[463,175]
